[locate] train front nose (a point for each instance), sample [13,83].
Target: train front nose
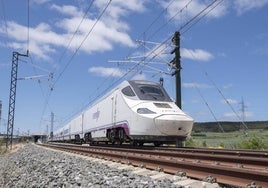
[176,125]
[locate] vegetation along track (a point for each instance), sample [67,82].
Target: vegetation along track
[228,167]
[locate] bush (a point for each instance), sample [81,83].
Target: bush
[204,143]
[199,134]
[222,145]
[2,146]
[190,142]
[253,142]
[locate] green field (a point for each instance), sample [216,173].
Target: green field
[236,135]
[238,139]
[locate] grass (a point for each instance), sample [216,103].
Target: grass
[2,147]
[253,139]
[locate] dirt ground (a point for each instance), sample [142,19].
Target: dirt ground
[15,147]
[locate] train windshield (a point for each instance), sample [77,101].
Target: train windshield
[149,91]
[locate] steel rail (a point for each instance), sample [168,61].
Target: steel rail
[199,168]
[200,154]
[238,152]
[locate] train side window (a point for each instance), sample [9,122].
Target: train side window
[128,91]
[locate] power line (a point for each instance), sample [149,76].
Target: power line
[47,97]
[209,108]
[76,51]
[186,24]
[70,60]
[159,15]
[178,12]
[221,94]
[145,57]
[76,31]
[195,19]
[161,44]
[162,26]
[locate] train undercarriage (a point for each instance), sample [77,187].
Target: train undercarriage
[118,136]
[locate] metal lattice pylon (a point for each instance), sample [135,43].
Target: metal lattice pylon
[12,99]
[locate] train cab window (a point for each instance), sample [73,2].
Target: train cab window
[128,91]
[151,92]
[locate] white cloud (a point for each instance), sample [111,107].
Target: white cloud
[111,30]
[242,6]
[227,86]
[42,40]
[233,116]
[67,10]
[198,54]
[39,1]
[101,38]
[105,72]
[120,8]
[192,9]
[196,85]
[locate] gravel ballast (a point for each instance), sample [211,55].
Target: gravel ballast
[34,166]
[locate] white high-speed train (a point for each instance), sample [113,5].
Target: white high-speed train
[136,111]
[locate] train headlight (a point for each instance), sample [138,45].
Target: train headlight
[145,111]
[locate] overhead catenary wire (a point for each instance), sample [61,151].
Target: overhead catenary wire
[157,17]
[153,51]
[209,108]
[47,98]
[192,22]
[142,62]
[143,34]
[221,94]
[189,22]
[145,57]
[227,102]
[76,31]
[85,38]
[76,51]
[172,18]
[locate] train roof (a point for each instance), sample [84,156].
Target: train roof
[121,86]
[124,84]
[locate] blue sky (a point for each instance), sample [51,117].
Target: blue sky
[91,46]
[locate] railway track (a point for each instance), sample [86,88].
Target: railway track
[227,167]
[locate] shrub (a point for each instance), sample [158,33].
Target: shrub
[204,143]
[253,142]
[2,147]
[199,134]
[190,142]
[222,145]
